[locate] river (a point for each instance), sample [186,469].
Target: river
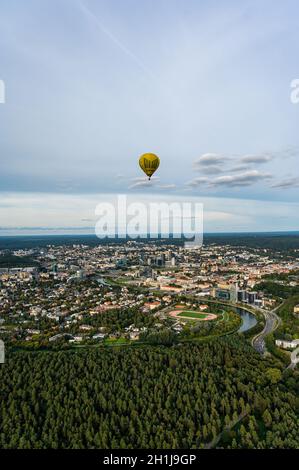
[248,320]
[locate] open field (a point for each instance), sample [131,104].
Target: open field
[192,315]
[115,341]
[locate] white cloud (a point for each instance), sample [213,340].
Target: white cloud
[247,178]
[211,170]
[143,182]
[287,183]
[213,164]
[196,182]
[244,179]
[257,159]
[208,159]
[240,168]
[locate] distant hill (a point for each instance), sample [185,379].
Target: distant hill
[275,240]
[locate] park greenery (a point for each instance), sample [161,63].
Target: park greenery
[183,396]
[289,327]
[276,289]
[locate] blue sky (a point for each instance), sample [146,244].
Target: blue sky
[91,85]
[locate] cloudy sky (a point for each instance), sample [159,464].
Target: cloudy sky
[92,84]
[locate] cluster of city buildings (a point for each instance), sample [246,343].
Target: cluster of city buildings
[71,283]
[232,293]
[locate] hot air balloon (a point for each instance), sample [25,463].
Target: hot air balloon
[149,163]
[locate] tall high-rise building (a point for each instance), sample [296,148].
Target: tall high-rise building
[160,260]
[234,293]
[242,296]
[252,296]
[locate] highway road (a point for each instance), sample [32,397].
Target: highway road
[294,359]
[272,322]
[294,356]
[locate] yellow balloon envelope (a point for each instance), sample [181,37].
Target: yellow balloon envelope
[149,163]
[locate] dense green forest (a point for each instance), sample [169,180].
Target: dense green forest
[11,261]
[289,327]
[182,396]
[117,320]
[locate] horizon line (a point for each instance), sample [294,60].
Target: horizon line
[145,237]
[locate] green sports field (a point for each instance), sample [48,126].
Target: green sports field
[192,314]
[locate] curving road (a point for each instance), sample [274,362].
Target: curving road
[272,322]
[294,357]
